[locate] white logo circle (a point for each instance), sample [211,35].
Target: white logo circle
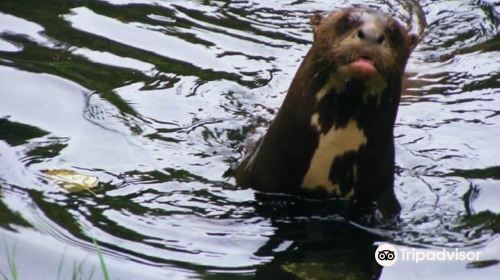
[386,255]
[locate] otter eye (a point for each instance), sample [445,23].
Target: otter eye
[347,22]
[394,32]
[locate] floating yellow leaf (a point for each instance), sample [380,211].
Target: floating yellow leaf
[323,271]
[72,181]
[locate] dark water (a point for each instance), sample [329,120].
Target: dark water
[155,99]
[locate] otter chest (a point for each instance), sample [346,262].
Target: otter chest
[334,166]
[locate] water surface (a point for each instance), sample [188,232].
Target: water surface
[155,98]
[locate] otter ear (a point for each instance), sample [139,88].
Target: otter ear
[315,20]
[413,40]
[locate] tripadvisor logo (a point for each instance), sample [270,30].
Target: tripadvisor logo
[386,255]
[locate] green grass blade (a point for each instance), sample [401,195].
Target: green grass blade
[61,264]
[101,260]
[11,256]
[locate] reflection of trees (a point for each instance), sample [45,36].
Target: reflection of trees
[15,133]
[9,218]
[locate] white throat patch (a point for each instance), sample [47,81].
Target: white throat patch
[332,144]
[337,141]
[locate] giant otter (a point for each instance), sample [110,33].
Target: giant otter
[333,135]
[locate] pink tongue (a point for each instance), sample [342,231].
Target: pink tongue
[363,67]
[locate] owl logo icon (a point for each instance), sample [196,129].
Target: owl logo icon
[386,255]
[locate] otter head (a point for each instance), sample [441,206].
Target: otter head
[363,43]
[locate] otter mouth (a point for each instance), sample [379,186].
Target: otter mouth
[363,66]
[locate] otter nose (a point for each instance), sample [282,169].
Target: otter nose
[371,34]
